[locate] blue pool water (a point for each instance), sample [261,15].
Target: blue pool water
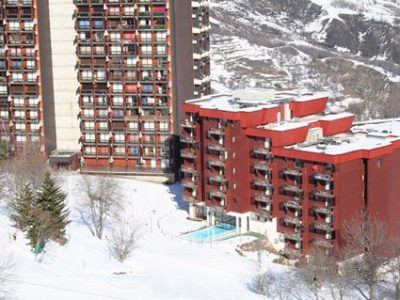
[209,233]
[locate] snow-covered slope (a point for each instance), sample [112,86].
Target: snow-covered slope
[165,266]
[350,47]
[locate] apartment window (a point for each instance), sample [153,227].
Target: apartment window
[103,112]
[3,89]
[129,10]
[147,62]
[119,150]
[131,61]
[99,49]
[161,50]
[32,76]
[19,101]
[135,150]
[116,49]
[114,10]
[84,24]
[86,74]
[33,114]
[149,125]
[88,112]
[115,36]
[147,88]
[20,126]
[87,99]
[90,150]
[101,100]
[30,63]
[165,163]
[35,138]
[161,36]
[146,50]
[17,76]
[163,138]
[164,126]
[28,25]
[101,74]
[84,36]
[118,100]
[16,64]
[20,138]
[35,126]
[89,137]
[98,24]
[133,125]
[14,25]
[4,114]
[145,36]
[20,114]
[104,137]
[119,137]
[117,88]
[103,125]
[88,125]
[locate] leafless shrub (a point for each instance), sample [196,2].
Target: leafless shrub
[102,198]
[365,254]
[123,240]
[27,167]
[262,283]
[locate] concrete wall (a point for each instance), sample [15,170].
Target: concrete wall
[64,75]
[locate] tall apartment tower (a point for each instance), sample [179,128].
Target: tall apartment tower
[136,68]
[201,47]
[21,104]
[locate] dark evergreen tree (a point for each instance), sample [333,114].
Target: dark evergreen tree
[23,205]
[51,199]
[4,151]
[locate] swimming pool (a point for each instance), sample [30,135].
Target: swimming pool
[211,233]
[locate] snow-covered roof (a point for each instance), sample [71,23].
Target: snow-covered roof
[362,137]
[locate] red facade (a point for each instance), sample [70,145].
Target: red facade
[240,162]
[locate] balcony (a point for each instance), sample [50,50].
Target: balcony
[188,183]
[324,195]
[188,139]
[216,147]
[326,177]
[262,151]
[322,243]
[292,189]
[262,198]
[290,253]
[262,182]
[292,172]
[294,237]
[323,211]
[216,178]
[321,227]
[292,204]
[218,194]
[188,153]
[191,199]
[219,163]
[291,221]
[262,166]
[216,131]
[188,170]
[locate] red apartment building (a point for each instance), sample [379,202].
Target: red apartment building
[21,105]
[135,61]
[280,166]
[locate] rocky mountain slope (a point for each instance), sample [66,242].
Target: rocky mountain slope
[348,47]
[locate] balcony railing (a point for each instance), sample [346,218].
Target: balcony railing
[286,221]
[262,198]
[262,182]
[189,184]
[217,163]
[327,228]
[318,194]
[216,147]
[188,153]
[263,151]
[190,199]
[295,237]
[322,243]
[216,178]
[216,131]
[323,177]
[291,253]
[292,204]
[262,166]
[292,172]
[217,194]
[188,139]
[188,169]
[292,189]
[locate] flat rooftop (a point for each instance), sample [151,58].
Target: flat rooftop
[248,100]
[361,137]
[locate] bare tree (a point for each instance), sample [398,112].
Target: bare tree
[122,240]
[102,199]
[365,254]
[262,283]
[6,273]
[28,166]
[393,275]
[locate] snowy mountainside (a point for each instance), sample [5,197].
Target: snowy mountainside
[348,47]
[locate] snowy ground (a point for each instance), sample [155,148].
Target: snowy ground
[165,266]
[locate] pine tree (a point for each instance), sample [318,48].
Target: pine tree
[23,205]
[4,151]
[51,199]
